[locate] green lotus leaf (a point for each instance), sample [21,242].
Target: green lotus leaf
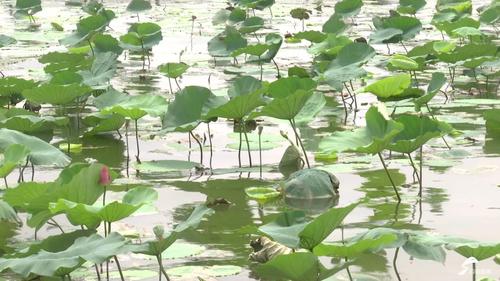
[273,42]
[490,15]
[15,86]
[244,85]
[85,29]
[7,213]
[256,4]
[77,183]
[262,194]
[102,123]
[354,248]
[296,266]
[443,46]
[141,36]
[354,53]
[372,139]
[136,107]
[41,153]
[189,107]
[56,61]
[390,86]
[469,52]
[466,32]
[173,69]
[322,226]
[410,6]
[437,81]
[450,26]
[138,6]
[106,43]
[336,76]
[285,108]
[30,124]
[102,70]
[226,42]
[164,240]
[330,46]
[238,107]
[403,62]
[417,131]
[56,94]
[6,40]
[311,35]
[284,87]
[384,35]
[65,78]
[348,8]
[335,25]
[94,249]
[300,13]
[253,50]
[492,117]
[91,216]
[13,156]
[237,15]
[409,26]
[28,7]
[478,250]
[286,227]
[251,25]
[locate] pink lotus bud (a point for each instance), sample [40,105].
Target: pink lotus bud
[105,177]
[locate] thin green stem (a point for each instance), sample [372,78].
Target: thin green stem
[210,143]
[137,142]
[119,268]
[292,123]
[162,269]
[421,175]
[248,144]
[389,176]
[199,145]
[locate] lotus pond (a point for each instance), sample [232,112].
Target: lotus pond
[249,140]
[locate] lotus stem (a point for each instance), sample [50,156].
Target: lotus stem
[54,223]
[415,171]
[119,268]
[395,265]
[91,48]
[248,144]
[474,272]
[200,145]
[162,269]
[176,82]
[292,123]
[239,146]
[127,144]
[421,175]
[137,142]
[277,68]
[210,143]
[97,272]
[389,176]
[261,70]
[189,153]
[5,181]
[260,151]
